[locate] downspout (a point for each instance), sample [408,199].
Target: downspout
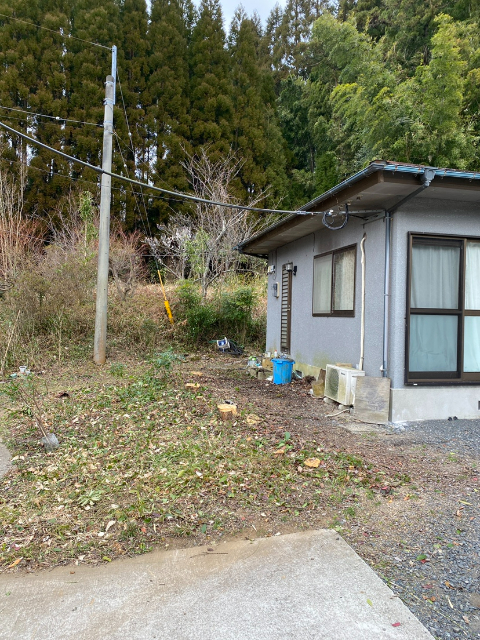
[362,330]
[427,177]
[386,292]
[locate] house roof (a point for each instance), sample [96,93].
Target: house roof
[381,186]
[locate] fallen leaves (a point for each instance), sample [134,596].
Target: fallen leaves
[139,462]
[422,558]
[15,563]
[109,525]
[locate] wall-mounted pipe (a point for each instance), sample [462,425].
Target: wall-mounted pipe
[386,293]
[362,324]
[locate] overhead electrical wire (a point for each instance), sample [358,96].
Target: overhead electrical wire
[44,115]
[175,194]
[125,164]
[121,141]
[134,196]
[83,180]
[59,33]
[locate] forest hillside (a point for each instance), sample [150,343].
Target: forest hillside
[304,100]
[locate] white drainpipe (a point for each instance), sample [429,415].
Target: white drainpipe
[362,331]
[386,293]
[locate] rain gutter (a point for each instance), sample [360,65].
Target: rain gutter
[373,167]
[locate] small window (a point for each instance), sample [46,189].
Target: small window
[334,283]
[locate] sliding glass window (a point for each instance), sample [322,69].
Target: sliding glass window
[443,314]
[334,283]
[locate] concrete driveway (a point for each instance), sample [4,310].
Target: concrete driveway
[305,585]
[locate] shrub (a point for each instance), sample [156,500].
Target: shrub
[230,311]
[236,312]
[200,315]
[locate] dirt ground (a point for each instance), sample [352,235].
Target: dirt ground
[417,527]
[438,474]
[422,537]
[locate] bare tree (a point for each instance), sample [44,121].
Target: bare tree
[126,262]
[73,225]
[202,245]
[19,236]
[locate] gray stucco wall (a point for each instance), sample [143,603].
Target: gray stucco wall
[318,340]
[432,216]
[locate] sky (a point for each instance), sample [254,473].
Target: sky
[263,7]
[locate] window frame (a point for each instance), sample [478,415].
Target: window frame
[333,313]
[441,377]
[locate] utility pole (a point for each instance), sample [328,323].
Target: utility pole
[99,349]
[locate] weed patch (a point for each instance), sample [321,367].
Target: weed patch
[142,459]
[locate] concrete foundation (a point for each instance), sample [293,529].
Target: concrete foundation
[434,403]
[307,369]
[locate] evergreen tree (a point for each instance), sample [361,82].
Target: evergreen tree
[48,96]
[288,32]
[34,79]
[410,28]
[18,50]
[419,120]
[369,15]
[275,46]
[168,124]
[132,97]
[88,67]
[256,132]
[210,85]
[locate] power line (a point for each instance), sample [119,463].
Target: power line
[130,148]
[134,197]
[44,115]
[134,160]
[175,194]
[84,180]
[59,33]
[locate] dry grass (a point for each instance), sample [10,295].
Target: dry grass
[144,460]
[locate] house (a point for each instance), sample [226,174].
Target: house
[411,311]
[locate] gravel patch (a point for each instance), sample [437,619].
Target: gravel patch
[431,559]
[458,436]
[434,567]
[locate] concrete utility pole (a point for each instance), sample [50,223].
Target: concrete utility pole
[99,349]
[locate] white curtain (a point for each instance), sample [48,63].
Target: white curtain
[433,343]
[435,277]
[344,265]
[471,350]
[322,284]
[472,276]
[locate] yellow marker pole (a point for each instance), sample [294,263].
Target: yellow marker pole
[167,306]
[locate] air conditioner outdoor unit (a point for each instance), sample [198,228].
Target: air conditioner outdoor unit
[340,383]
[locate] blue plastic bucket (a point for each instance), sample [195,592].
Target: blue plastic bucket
[282,370]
